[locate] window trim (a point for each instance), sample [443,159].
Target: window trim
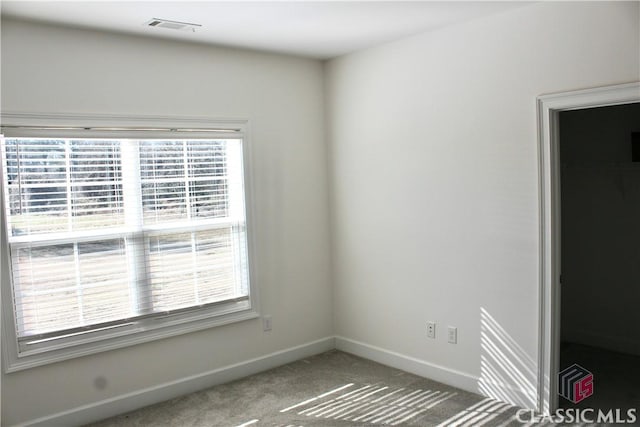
[140,330]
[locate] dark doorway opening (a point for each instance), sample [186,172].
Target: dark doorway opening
[600,253]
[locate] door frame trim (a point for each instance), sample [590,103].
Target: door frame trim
[548,109]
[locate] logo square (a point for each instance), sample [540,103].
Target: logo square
[575,383]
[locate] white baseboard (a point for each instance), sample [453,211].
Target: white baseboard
[410,364]
[505,392]
[160,393]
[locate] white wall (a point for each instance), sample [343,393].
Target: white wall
[51,69]
[600,228]
[434,182]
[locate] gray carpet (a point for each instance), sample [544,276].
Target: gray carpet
[330,389]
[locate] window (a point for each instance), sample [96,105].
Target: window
[119,235]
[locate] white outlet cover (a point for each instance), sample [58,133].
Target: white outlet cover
[266,323]
[431,329]
[453,334]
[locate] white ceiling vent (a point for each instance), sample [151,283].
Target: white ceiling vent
[173,25]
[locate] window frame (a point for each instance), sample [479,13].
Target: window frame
[144,329]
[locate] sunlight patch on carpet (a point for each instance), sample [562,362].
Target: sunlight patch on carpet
[372,404]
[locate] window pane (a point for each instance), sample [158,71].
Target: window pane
[63,185]
[164,201]
[70,285]
[208,158]
[161,159]
[209,198]
[96,184]
[194,268]
[36,183]
[184,180]
[163,177]
[208,187]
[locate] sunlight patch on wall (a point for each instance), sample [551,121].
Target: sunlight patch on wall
[507,372]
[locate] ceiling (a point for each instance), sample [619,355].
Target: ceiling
[322,30]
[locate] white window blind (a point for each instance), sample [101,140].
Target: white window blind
[107,233]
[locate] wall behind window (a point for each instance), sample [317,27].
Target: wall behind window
[53,69]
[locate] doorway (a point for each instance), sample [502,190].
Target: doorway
[599,154]
[550,108]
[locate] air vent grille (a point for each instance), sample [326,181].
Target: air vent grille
[173,25]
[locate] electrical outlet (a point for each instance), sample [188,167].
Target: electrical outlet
[431,329]
[266,323]
[453,334]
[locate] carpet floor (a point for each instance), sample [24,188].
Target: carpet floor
[330,389]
